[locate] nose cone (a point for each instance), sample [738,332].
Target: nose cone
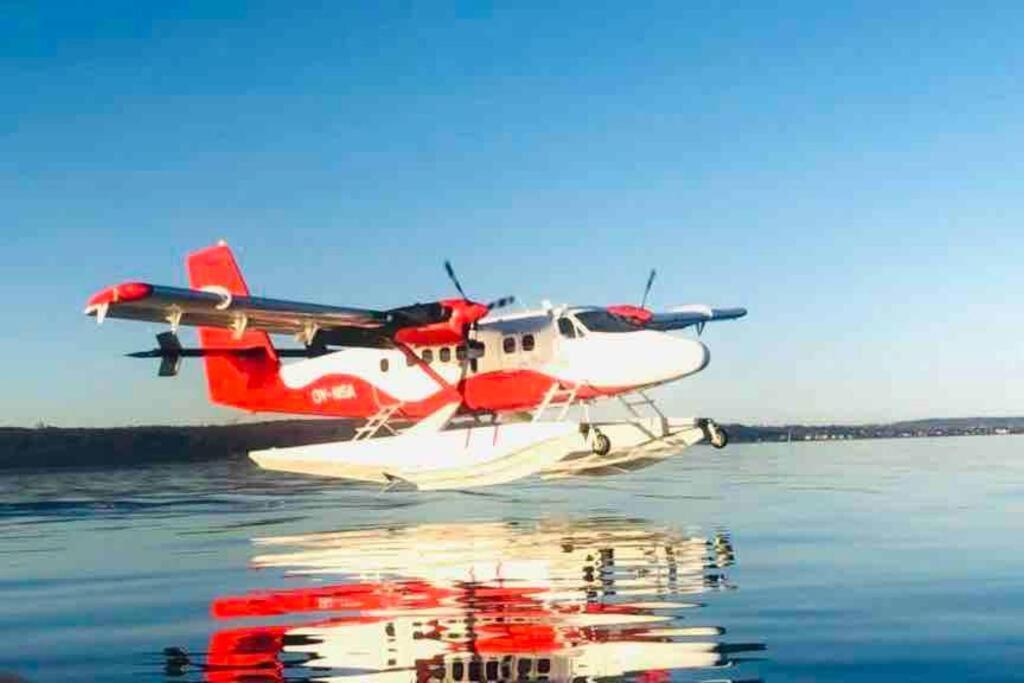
[634,359]
[691,356]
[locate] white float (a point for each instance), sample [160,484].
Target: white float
[468,457]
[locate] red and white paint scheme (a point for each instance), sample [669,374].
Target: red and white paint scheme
[427,363]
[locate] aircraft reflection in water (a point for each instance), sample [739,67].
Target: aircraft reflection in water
[477,602]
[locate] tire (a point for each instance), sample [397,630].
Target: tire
[719,438]
[602,444]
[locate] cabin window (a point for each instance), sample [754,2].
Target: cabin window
[457,670]
[474,671]
[383,364]
[428,356]
[491,670]
[543,665]
[566,327]
[446,354]
[528,342]
[509,344]
[524,665]
[410,359]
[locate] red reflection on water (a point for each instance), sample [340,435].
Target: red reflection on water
[558,603]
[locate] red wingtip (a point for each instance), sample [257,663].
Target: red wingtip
[126,291]
[635,314]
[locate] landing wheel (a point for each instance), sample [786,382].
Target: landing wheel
[719,437]
[602,444]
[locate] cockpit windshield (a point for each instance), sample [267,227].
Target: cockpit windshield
[603,321]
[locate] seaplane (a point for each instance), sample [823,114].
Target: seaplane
[451,394]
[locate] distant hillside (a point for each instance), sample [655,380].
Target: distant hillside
[57,447]
[49,447]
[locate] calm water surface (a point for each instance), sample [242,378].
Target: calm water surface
[858,561]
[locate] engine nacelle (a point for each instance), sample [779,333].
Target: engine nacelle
[462,314]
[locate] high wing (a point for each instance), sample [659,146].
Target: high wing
[691,315]
[217,307]
[218,298]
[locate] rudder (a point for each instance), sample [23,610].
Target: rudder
[241,380]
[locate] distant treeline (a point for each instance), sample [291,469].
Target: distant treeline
[78,447]
[933,427]
[49,447]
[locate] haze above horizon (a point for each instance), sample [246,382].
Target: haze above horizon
[849,172]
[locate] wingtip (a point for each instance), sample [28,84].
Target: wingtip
[120,293]
[99,311]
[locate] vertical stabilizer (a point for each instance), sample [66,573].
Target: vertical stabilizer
[240,380]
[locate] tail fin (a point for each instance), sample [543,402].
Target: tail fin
[232,380]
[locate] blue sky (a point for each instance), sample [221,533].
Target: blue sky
[852,173]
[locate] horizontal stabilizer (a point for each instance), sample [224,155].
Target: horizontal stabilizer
[206,353]
[170,352]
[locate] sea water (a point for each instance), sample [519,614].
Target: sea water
[839,561]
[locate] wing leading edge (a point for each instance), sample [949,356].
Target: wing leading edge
[682,317]
[217,307]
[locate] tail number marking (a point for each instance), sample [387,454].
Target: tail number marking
[338,392]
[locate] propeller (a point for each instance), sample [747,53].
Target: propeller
[637,315]
[455,280]
[497,303]
[471,327]
[501,303]
[647,289]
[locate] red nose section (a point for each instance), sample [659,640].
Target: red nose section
[634,314]
[126,291]
[462,314]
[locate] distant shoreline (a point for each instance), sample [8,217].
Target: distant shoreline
[904,429]
[69,447]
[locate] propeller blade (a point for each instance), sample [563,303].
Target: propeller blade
[455,281]
[647,289]
[501,303]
